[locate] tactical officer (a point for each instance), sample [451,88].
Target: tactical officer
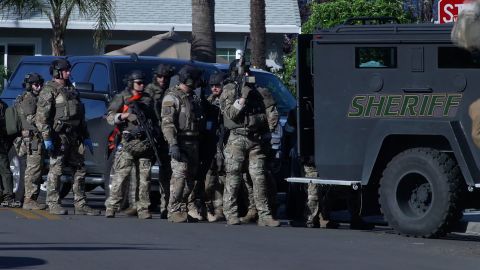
[214,139]
[126,111]
[181,117]
[6,188]
[272,117]
[245,116]
[60,118]
[30,143]
[160,84]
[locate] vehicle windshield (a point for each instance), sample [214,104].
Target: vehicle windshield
[285,101]
[283,97]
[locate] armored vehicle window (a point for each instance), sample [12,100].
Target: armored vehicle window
[454,57]
[375,57]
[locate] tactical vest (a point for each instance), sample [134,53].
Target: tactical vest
[144,104]
[190,115]
[254,117]
[68,107]
[26,105]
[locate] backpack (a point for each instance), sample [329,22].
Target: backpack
[13,123]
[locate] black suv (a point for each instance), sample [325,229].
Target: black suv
[98,79]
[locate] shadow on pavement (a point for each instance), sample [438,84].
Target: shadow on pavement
[72,248]
[17,262]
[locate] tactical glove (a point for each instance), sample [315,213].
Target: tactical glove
[48,145]
[245,91]
[88,143]
[175,152]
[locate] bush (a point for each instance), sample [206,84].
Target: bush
[329,14]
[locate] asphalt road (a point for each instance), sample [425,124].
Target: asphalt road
[37,240]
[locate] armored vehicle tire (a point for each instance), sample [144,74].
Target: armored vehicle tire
[420,193]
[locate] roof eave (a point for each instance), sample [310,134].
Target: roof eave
[219,28]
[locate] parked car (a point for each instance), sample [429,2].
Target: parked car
[98,79]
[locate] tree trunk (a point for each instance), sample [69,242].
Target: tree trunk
[257,33]
[58,49]
[203,31]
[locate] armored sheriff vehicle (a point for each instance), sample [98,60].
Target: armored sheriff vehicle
[386,108]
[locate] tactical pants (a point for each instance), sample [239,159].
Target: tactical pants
[34,165]
[73,156]
[184,172]
[312,209]
[238,149]
[164,177]
[133,155]
[214,185]
[7,177]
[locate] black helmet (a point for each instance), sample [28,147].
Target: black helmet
[189,75]
[217,78]
[164,70]
[58,65]
[32,78]
[134,75]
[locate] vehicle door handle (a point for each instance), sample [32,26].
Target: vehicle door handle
[418,90]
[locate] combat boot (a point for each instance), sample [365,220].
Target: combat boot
[178,217]
[218,216]
[131,212]
[144,215]
[86,210]
[195,214]
[250,217]
[164,214]
[109,213]
[233,221]
[312,224]
[11,203]
[30,204]
[57,209]
[268,221]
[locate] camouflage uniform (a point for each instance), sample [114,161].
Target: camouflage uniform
[157,93]
[6,187]
[215,177]
[180,123]
[30,144]
[60,118]
[247,124]
[134,151]
[273,118]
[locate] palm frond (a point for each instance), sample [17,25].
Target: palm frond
[22,8]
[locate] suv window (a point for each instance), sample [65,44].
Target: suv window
[80,71]
[25,68]
[100,78]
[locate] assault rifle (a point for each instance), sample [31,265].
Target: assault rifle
[242,67]
[146,125]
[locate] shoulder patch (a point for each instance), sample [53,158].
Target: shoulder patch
[168,103]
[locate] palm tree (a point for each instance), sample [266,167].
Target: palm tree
[427,10]
[203,31]
[257,33]
[59,11]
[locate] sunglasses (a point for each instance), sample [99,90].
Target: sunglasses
[37,84]
[139,82]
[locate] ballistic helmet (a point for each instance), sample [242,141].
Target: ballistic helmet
[58,65]
[30,79]
[189,75]
[164,70]
[217,78]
